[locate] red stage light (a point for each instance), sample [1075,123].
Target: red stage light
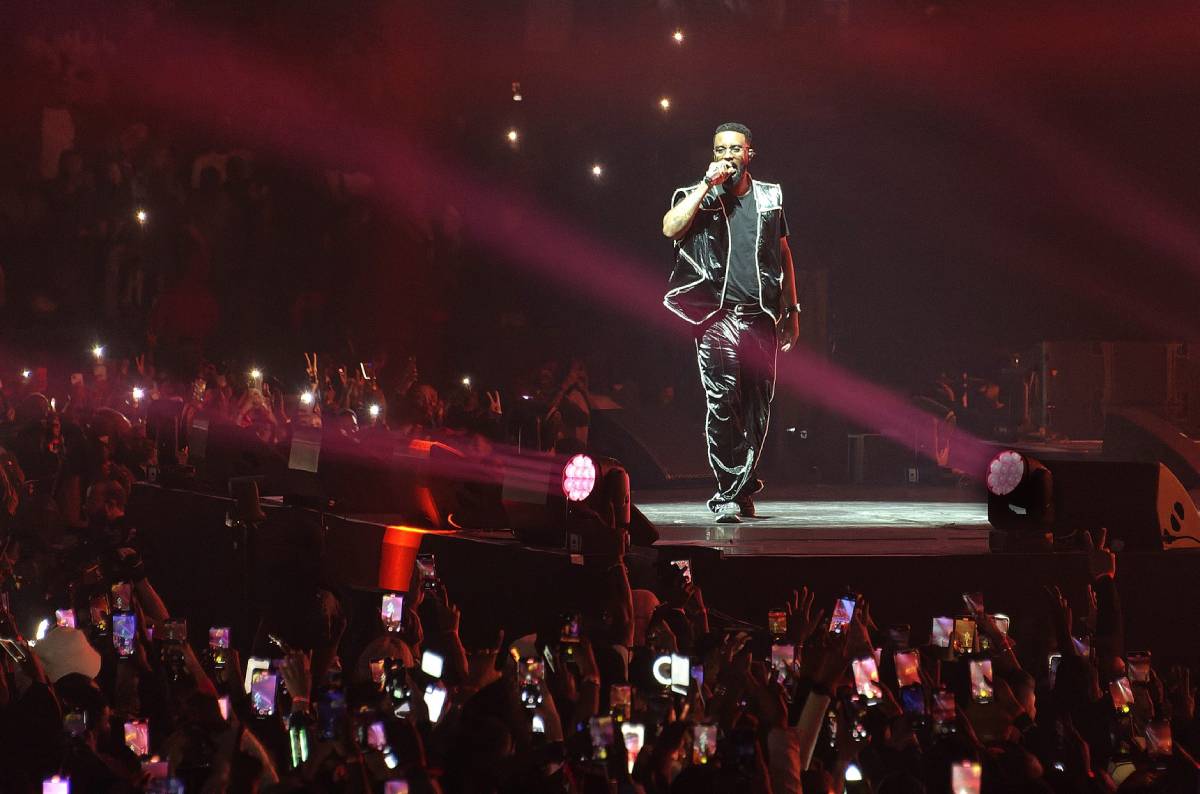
[1005,472]
[579,478]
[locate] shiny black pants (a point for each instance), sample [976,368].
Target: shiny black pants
[737,370]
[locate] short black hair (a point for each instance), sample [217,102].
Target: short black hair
[733,126]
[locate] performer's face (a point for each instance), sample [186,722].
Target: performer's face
[731,147]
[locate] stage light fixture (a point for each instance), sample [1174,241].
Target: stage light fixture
[597,170]
[256,374]
[1020,494]
[678,36]
[579,478]
[98,351]
[665,103]
[26,374]
[466,381]
[139,394]
[142,216]
[588,509]
[307,398]
[373,411]
[1005,472]
[513,136]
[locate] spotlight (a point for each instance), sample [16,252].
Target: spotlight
[579,478]
[466,381]
[592,494]
[139,394]
[98,351]
[26,374]
[1020,493]
[513,136]
[597,170]
[665,103]
[256,374]
[307,398]
[142,216]
[1005,472]
[678,36]
[516,92]
[373,411]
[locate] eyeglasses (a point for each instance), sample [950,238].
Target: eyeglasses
[735,149]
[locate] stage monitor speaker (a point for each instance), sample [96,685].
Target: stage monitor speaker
[1138,434]
[1143,505]
[657,446]
[230,451]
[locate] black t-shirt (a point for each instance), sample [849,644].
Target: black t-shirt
[741,276]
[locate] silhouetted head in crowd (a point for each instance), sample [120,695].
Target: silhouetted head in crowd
[106,501]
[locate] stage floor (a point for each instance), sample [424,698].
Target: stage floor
[825,522]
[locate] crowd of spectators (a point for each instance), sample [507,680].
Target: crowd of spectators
[632,690]
[175,248]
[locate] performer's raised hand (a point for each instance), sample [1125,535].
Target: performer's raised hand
[718,172]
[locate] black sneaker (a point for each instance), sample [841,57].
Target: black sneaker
[752,488]
[728,513]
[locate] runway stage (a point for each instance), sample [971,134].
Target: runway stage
[823,521]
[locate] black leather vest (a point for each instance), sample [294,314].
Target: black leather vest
[696,288]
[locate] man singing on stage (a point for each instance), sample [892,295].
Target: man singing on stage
[733,280]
